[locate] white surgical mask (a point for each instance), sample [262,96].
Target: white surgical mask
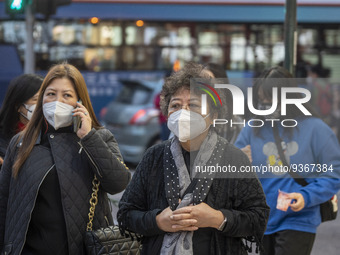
[187,125]
[30,109]
[58,114]
[264,106]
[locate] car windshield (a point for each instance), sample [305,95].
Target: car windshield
[134,94]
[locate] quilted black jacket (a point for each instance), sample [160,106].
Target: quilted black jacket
[4,141]
[76,161]
[241,200]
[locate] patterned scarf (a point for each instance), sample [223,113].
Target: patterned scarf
[177,180]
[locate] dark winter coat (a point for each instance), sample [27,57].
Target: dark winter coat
[76,161]
[4,141]
[241,200]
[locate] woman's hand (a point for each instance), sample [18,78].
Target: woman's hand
[202,213]
[1,161]
[299,202]
[247,151]
[86,121]
[166,222]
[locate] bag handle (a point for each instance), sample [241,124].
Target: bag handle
[93,201]
[278,142]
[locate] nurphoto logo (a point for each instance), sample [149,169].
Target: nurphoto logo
[239,101]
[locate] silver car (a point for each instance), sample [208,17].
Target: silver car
[133,118]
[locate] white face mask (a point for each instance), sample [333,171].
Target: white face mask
[58,114]
[30,109]
[264,106]
[187,125]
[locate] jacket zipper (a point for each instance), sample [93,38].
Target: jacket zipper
[88,155]
[35,200]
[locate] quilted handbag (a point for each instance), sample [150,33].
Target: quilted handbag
[108,240]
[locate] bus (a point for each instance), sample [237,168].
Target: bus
[110,40]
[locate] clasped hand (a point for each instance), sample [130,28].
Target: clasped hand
[189,218]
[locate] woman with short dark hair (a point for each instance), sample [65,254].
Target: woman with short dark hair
[179,210]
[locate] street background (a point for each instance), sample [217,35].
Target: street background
[125,48]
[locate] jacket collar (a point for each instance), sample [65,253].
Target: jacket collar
[36,142]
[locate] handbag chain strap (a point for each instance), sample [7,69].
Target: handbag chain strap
[93,201]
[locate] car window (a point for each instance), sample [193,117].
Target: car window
[134,95]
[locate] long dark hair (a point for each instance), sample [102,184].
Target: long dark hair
[278,77]
[32,131]
[281,77]
[20,89]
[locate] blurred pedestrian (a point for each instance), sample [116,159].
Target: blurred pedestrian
[178,212]
[302,65]
[336,112]
[17,108]
[295,212]
[46,179]
[164,130]
[322,92]
[218,73]
[216,70]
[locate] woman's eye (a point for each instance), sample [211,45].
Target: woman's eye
[194,106]
[50,94]
[68,95]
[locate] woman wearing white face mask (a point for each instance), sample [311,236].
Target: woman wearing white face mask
[16,109]
[178,211]
[46,180]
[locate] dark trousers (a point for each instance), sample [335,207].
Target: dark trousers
[288,242]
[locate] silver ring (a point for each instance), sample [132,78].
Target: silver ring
[85,113]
